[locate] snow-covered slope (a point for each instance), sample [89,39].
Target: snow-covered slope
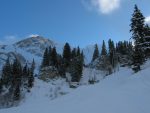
[122,92]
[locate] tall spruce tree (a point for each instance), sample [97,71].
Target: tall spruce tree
[31,75]
[138,33]
[137,59]
[77,63]
[78,51]
[49,54]
[61,66]
[146,43]
[45,61]
[104,51]
[17,93]
[73,53]
[137,26]
[111,52]
[6,73]
[54,57]
[25,76]
[67,55]
[17,77]
[1,85]
[96,53]
[77,68]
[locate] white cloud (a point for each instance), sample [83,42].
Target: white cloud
[147,20]
[8,40]
[103,6]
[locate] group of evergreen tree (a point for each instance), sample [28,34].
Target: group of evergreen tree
[15,78]
[137,54]
[70,61]
[124,47]
[140,35]
[107,59]
[50,57]
[111,57]
[76,65]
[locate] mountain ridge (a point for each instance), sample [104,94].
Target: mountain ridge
[34,47]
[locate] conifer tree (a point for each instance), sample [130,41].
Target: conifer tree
[17,77]
[31,75]
[17,72]
[1,86]
[54,57]
[104,51]
[67,55]
[49,55]
[146,43]
[137,59]
[96,53]
[77,67]
[6,73]
[78,51]
[111,52]
[45,61]
[73,53]
[25,76]
[137,26]
[61,66]
[17,94]
[138,33]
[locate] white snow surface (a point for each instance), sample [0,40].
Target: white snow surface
[121,92]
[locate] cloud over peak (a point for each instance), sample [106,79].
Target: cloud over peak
[103,6]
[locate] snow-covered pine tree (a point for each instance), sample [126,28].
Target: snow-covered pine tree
[137,59]
[137,26]
[138,34]
[146,43]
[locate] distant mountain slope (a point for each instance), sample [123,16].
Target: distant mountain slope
[27,49]
[33,47]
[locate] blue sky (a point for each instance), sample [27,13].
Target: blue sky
[79,22]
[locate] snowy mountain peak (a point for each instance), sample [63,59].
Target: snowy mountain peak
[35,44]
[35,41]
